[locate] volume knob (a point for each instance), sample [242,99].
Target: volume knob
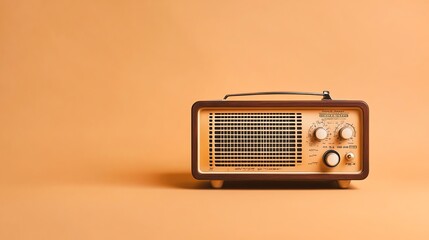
[346,133]
[331,158]
[320,133]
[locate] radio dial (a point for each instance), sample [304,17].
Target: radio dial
[320,133]
[331,158]
[346,133]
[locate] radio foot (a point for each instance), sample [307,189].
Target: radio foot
[343,183]
[216,183]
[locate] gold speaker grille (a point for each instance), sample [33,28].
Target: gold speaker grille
[255,139]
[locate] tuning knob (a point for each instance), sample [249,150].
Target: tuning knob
[320,133]
[331,158]
[346,133]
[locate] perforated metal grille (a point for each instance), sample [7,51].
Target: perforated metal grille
[255,139]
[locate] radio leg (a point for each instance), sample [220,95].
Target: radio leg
[343,183]
[216,183]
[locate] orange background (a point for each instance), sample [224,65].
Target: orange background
[95,101]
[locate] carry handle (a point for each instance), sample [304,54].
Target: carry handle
[325,94]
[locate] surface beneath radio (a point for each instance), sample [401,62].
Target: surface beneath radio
[172,205]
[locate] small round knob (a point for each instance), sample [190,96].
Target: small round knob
[331,158]
[346,133]
[320,133]
[350,156]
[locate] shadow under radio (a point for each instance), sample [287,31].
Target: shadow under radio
[184,180]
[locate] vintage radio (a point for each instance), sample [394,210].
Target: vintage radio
[280,140]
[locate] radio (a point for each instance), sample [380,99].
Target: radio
[280,140]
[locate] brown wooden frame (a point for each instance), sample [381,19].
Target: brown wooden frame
[290,176]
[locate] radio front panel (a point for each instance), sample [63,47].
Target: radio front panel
[280,140]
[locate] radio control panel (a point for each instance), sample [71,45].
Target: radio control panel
[333,138]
